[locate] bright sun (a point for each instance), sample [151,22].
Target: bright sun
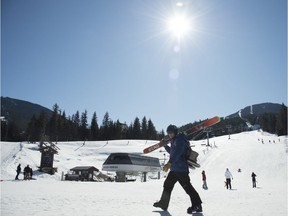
[179,25]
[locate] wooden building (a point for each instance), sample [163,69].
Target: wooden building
[82,173]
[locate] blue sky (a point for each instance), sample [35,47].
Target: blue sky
[118,56]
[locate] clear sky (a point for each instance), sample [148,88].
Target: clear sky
[171,61]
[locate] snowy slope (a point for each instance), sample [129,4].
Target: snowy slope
[50,196]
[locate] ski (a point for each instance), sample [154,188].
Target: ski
[208,123]
[189,131]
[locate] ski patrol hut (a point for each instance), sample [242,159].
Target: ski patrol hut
[82,173]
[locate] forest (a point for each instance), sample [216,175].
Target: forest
[59,127]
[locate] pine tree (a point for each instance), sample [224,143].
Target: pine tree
[94,129]
[106,127]
[75,125]
[144,128]
[53,123]
[152,133]
[282,121]
[136,129]
[84,132]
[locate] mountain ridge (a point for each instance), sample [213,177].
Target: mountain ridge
[21,111]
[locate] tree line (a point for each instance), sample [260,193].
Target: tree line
[59,127]
[274,123]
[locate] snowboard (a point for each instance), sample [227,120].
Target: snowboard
[189,131]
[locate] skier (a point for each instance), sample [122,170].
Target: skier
[179,171]
[18,171]
[228,177]
[253,175]
[27,173]
[31,173]
[204,180]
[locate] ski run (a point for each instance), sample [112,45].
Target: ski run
[256,151]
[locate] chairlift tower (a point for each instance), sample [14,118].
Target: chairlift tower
[208,130]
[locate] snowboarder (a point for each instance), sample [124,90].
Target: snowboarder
[253,175]
[204,180]
[27,173]
[179,172]
[228,177]
[18,171]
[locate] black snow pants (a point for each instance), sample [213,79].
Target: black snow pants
[228,183]
[184,180]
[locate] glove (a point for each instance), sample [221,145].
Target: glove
[166,167]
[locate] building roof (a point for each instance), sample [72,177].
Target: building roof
[84,168]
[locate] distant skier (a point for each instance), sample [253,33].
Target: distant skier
[179,172]
[27,173]
[253,175]
[18,171]
[228,177]
[204,180]
[31,173]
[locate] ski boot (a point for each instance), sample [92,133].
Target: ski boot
[197,208]
[164,201]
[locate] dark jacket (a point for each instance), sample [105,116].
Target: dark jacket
[18,168]
[27,169]
[178,151]
[253,176]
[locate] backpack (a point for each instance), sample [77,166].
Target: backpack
[191,157]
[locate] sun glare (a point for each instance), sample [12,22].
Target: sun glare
[179,25]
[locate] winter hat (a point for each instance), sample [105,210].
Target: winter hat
[172,128]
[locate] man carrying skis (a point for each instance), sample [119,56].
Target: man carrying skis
[179,172]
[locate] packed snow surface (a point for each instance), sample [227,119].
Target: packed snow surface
[256,151]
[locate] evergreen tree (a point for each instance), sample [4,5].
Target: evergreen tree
[152,133]
[282,121]
[117,130]
[84,132]
[94,129]
[53,123]
[106,128]
[136,129]
[161,135]
[76,125]
[144,128]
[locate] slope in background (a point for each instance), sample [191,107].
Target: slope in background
[49,196]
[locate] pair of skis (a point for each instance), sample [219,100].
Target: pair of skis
[189,131]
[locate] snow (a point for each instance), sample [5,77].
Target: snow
[48,195]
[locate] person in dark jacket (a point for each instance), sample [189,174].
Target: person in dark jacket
[27,173]
[18,171]
[31,173]
[253,175]
[179,172]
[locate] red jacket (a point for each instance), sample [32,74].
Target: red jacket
[203,176]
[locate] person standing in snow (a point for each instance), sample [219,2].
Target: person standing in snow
[228,177]
[27,173]
[179,172]
[253,175]
[204,180]
[18,171]
[31,173]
